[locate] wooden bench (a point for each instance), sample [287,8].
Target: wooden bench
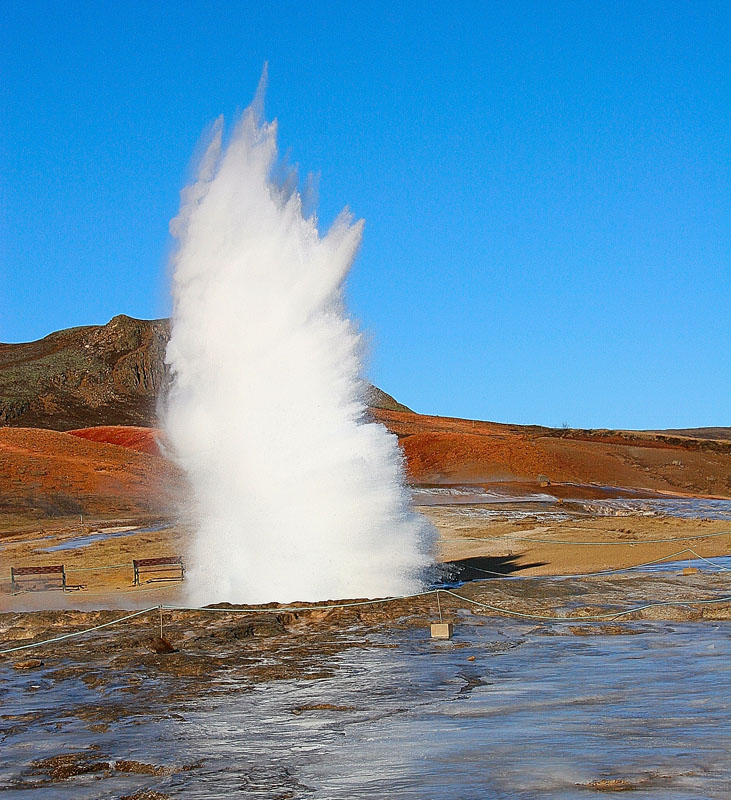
[55,574]
[172,565]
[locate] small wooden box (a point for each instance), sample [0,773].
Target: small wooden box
[690,570]
[441,630]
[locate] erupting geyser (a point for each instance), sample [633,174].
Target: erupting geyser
[295,495]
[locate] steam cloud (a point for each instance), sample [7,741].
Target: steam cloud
[295,495]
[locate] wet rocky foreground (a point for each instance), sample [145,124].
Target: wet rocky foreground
[359,702]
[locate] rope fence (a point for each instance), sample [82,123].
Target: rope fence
[617,571]
[79,633]
[500,610]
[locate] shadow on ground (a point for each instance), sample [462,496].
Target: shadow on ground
[481,567]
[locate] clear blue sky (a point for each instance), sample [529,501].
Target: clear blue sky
[545,185]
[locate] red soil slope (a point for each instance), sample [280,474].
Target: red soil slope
[446,450]
[48,473]
[117,470]
[144,440]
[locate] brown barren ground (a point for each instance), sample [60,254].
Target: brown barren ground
[574,546]
[56,487]
[100,574]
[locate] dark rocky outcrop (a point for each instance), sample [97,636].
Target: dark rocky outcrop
[109,374]
[377,398]
[94,375]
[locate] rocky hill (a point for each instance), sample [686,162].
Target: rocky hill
[94,375]
[78,434]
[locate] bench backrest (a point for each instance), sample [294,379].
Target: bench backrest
[51,570]
[157,562]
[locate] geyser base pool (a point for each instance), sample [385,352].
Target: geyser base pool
[539,712]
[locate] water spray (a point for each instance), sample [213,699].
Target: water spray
[294,492]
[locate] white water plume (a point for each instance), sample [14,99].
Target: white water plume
[295,494]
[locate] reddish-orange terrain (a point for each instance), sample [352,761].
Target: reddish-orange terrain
[144,440]
[118,470]
[47,474]
[447,450]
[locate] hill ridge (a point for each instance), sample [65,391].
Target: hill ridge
[93,375]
